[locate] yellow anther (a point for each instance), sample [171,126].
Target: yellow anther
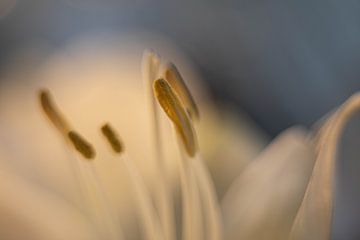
[177,114]
[173,77]
[112,137]
[51,111]
[81,145]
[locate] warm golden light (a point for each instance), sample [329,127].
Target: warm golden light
[180,176]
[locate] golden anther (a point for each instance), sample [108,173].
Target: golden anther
[176,112]
[174,78]
[112,137]
[81,145]
[51,111]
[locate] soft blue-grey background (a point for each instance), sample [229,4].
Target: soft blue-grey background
[283,62]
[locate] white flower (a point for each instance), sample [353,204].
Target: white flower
[120,160]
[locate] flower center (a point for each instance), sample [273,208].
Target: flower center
[200,210]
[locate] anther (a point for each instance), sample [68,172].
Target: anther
[176,112]
[81,145]
[112,138]
[51,111]
[176,81]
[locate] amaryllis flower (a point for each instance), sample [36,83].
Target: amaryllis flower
[99,145]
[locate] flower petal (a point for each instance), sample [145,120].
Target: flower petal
[263,201]
[313,220]
[30,212]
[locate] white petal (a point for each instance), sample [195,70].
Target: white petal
[30,212]
[233,138]
[262,203]
[313,220]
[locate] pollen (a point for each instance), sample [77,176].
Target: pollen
[112,138]
[173,108]
[176,81]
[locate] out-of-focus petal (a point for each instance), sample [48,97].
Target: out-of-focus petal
[313,221]
[31,212]
[263,201]
[228,140]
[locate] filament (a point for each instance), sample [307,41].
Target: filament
[147,212]
[164,202]
[209,198]
[192,225]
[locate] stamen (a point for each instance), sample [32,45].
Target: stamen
[51,111]
[90,185]
[176,112]
[163,199]
[176,81]
[81,145]
[112,137]
[147,212]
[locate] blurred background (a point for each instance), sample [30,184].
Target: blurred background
[282,62]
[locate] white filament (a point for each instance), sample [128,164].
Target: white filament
[164,202]
[146,210]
